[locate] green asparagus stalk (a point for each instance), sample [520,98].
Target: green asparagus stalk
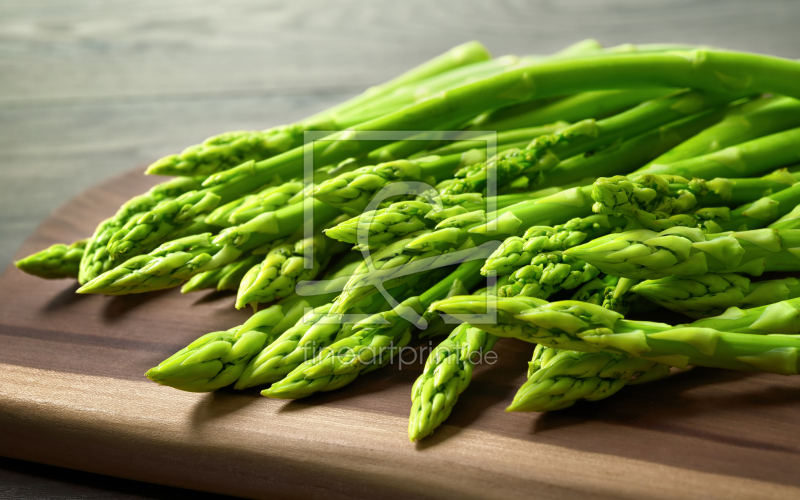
[374,342]
[776,318]
[558,378]
[509,138]
[316,331]
[208,363]
[354,190]
[227,277]
[270,226]
[217,359]
[277,275]
[648,199]
[703,69]
[681,251]
[54,262]
[553,273]
[96,258]
[789,221]
[751,157]
[447,373]
[547,274]
[246,208]
[590,328]
[770,211]
[546,152]
[572,109]
[516,252]
[570,203]
[233,148]
[179,260]
[712,294]
[400,219]
[743,123]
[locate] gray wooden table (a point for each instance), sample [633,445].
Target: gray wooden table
[90,88]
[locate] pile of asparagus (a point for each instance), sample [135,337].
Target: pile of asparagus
[610,180]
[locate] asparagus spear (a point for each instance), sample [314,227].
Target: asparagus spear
[233,148]
[590,328]
[558,378]
[447,373]
[508,138]
[789,221]
[648,199]
[54,262]
[179,260]
[217,359]
[704,70]
[547,274]
[751,157]
[546,152]
[593,104]
[712,294]
[681,251]
[569,203]
[227,277]
[777,318]
[285,265]
[373,343]
[354,190]
[248,207]
[516,251]
[743,123]
[96,258]
[208,364]
[400,219]
[543,274]
[315,332]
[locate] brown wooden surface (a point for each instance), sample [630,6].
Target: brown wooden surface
[72,394]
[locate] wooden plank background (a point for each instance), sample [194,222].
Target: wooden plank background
[91,88]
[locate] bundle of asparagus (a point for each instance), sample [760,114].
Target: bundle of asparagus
[628,179]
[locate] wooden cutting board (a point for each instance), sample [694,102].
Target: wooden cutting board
[73,394]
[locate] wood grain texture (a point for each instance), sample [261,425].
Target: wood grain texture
[72,394]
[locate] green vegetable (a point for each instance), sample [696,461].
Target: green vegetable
[558,378]
[590,328]
[402,218]
[681,251]
[516,252]
[285,265]
[96,257]
[316,331]
[750,120]
[54,262]
[702,69]
[447,373]
[748,158]
[217,359]
[373,343]
[548,273]
[248,207]
[648,199]
[227,277]
[539,160]
[593,104]
[712,294]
